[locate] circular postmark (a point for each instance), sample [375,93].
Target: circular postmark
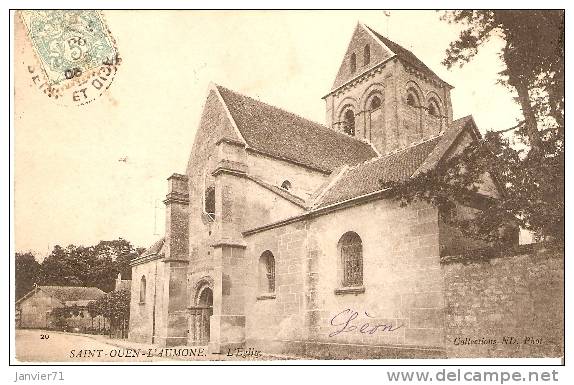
[79,92]
[73,57]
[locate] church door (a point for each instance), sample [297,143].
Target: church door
[201,316]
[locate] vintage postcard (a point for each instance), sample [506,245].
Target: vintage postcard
[288,186]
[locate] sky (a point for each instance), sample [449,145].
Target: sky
[71,188]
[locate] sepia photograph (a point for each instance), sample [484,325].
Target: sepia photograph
[287,186]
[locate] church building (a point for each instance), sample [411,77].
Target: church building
[281,236]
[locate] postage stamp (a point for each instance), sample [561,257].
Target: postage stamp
[72,49]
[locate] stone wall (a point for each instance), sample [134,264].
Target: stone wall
[276,320]
[34,311]
[141,314]
[402,285]
[304,182]
[518,296]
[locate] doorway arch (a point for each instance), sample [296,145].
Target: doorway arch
[202,312]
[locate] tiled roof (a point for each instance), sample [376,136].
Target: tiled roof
[405,55]
[154,249]
[282,134]
[279,191]
[370,176]
[73,293]
[446,142]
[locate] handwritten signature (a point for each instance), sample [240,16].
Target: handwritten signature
[344,322]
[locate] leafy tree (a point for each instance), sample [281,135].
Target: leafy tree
[60,315]
[533,54]
[115,306]
[26,274]
[65,266]
[95,266]
[529,165]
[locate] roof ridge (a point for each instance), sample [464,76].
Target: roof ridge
[386,41]
[270,105]
[344,169]
[322,126]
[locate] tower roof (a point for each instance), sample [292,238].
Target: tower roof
[382,50]
[405,55]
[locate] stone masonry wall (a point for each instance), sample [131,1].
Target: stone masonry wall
[34,310]
[275,321]
[517,296]
[402,285]
[141,314]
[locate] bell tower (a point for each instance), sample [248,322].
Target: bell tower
[385,95]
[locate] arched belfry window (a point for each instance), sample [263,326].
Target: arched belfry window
[349,122]
[267,273]
[353,63]
[412,99]
[142,289]
[367,55]
[433,108]
[375,103]
[350,249]
[210,202]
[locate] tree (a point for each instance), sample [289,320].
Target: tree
[531,176]
[114,306]
[66,266]
[60,315]
[533,55]
[26,274]
[96,266]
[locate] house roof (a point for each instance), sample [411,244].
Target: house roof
[405,55]
[73,293]
[281,134]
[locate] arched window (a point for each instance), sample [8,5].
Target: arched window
[367,55]
[267,272]
[353,62]
[142,289]
[433,109]
[210,202]
[412,99]
[375,103]
[349,122]
[286,185]
[350,250]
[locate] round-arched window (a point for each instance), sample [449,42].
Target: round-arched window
[412,99]
[375,103]
[350,249]
[353,63]
[210,202]
[349,122]
[433,109]
[367,55]
[267,272]
[142,289]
